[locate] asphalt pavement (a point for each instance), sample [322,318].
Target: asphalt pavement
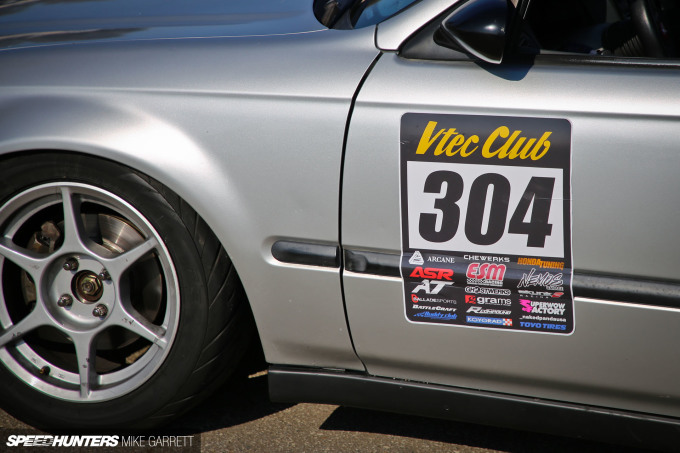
[244,420]
[240,418]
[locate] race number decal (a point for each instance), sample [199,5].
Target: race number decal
[486,222]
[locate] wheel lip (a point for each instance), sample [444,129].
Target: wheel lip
[134,375]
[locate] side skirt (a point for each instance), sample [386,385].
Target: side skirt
[291,385]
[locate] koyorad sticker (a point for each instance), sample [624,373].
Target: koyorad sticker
[486,222]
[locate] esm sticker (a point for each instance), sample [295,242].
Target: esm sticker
[486,222]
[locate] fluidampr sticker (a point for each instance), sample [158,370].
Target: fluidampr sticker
[486,221]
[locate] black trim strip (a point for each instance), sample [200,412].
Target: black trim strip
[599,60]
[626,289]
[363,262]
[363,391]
[585,284]
[305,253]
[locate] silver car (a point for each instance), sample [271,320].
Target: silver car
[455,208]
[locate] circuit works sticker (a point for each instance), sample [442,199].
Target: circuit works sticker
[486,221]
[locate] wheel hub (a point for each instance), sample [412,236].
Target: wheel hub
[87,287]
[72,289]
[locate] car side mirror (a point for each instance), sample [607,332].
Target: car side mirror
[480,28]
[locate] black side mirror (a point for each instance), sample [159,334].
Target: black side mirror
[480,28]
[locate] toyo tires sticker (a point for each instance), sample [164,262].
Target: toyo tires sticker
[486,222]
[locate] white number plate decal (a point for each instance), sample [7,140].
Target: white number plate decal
[486,222]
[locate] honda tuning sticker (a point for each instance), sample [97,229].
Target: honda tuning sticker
[486,222]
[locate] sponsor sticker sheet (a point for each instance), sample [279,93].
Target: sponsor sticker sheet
[486,222]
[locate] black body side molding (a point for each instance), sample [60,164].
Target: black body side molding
[307,253]
[589,285]
[363,391]
[363,262]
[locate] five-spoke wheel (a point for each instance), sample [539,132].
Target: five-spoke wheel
[77,322]
[118,306]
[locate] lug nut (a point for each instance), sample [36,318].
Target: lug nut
[104,275]
[65,301]
[100,311]
[88,287]
[71,264]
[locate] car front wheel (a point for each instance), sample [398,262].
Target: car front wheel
[118,306]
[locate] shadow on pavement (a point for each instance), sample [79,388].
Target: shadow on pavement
[239,401]
[245,399]
[437,430]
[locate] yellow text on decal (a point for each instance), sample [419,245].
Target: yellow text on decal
[510,145]
[457,143]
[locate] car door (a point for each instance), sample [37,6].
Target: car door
[611,220]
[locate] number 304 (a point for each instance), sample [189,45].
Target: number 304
[537,197]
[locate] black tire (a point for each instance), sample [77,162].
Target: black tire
[196,339]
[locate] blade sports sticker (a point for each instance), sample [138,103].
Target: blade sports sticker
[486,222]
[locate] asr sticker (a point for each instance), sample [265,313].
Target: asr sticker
[486,222]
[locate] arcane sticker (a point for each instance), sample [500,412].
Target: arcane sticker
[486,222]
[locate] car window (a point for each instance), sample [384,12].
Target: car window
[376,11]
[357,13]
[622,28]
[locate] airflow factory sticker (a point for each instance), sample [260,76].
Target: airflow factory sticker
[486,222]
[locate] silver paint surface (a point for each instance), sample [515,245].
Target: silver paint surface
[28,23]
[242,113]
[248,130]
[625,158]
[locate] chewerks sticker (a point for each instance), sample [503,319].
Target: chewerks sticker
[486,221]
